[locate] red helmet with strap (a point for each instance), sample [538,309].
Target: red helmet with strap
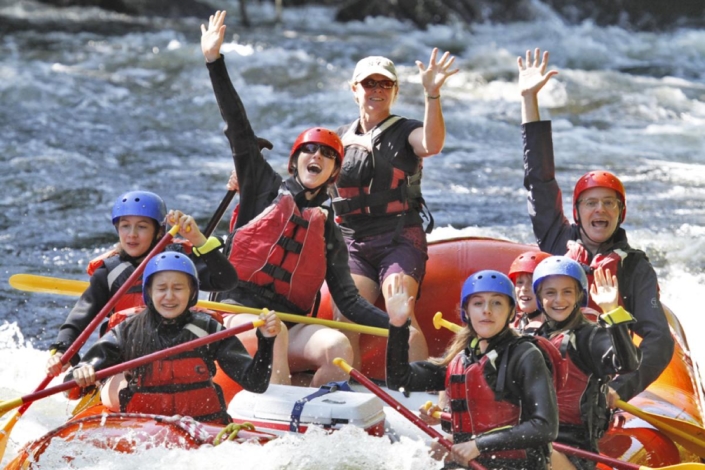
[599,179]
[526,263]
[318,135]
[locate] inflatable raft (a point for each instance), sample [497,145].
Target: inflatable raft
[676,394]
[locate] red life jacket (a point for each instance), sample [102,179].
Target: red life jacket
[612,261]
[583,399]
[119,317]
[119,271]
[179,384]
[392,190]
[281,253]
[475,408]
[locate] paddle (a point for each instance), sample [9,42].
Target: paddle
[615,463]
[83,337]
[227,199]
[134,363]
[374,388]
[618,463]
[218,214]
[687,435]
[439,322]
[52,285]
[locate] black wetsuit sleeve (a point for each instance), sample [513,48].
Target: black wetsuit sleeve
[258,182]
[215,272]
[252,373]
[544,201]
[651,325]
[529,381]
[92,301]
[415,377]
[596,352]
[106,352]
[341,285]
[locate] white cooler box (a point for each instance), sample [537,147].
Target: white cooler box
[272,411]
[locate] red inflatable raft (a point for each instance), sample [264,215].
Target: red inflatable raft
[676,394]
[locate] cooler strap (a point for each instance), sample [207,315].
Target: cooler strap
[324,390]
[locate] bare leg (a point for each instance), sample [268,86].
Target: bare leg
[418,348]
[560,462]
[315,347]
[110,392]
[369,290]
[280,361]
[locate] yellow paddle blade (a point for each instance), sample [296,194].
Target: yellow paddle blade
[688,435]
[6,430]
[87,401]
[680,466]
[47,285]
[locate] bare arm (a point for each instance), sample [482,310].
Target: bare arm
[429,139]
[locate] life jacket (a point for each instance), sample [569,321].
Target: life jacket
[474,404]
[119,271]
[280,255]
[177,385]
[619,261]
[119,317]
[526,325]
[582,401]
[392,190]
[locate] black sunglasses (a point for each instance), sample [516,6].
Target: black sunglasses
[313,147]
[369,84]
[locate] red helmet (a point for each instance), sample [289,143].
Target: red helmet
[526,263]
[599,179]
[318,135]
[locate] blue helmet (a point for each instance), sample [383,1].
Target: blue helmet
[170,261]
[560,266]
[485,281]
[139,203]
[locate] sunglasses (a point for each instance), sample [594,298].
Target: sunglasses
[369,84]
[313,147]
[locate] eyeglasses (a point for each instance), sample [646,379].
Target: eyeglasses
[369,84]
[609,203]
[313,147]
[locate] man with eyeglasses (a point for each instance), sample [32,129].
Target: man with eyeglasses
[283,241]
[596,238]
[377,198]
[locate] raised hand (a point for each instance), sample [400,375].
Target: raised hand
[212,38]
[533,75]
[434,76]
[399,303]
[605,290]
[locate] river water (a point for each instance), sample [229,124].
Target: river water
[95,104]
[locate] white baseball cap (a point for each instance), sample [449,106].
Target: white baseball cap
[374,65]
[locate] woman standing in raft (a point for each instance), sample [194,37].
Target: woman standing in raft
[511,417]
[378,200]
[180,384]
[596,239]
[285,243]
[139,220]
[594,354]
